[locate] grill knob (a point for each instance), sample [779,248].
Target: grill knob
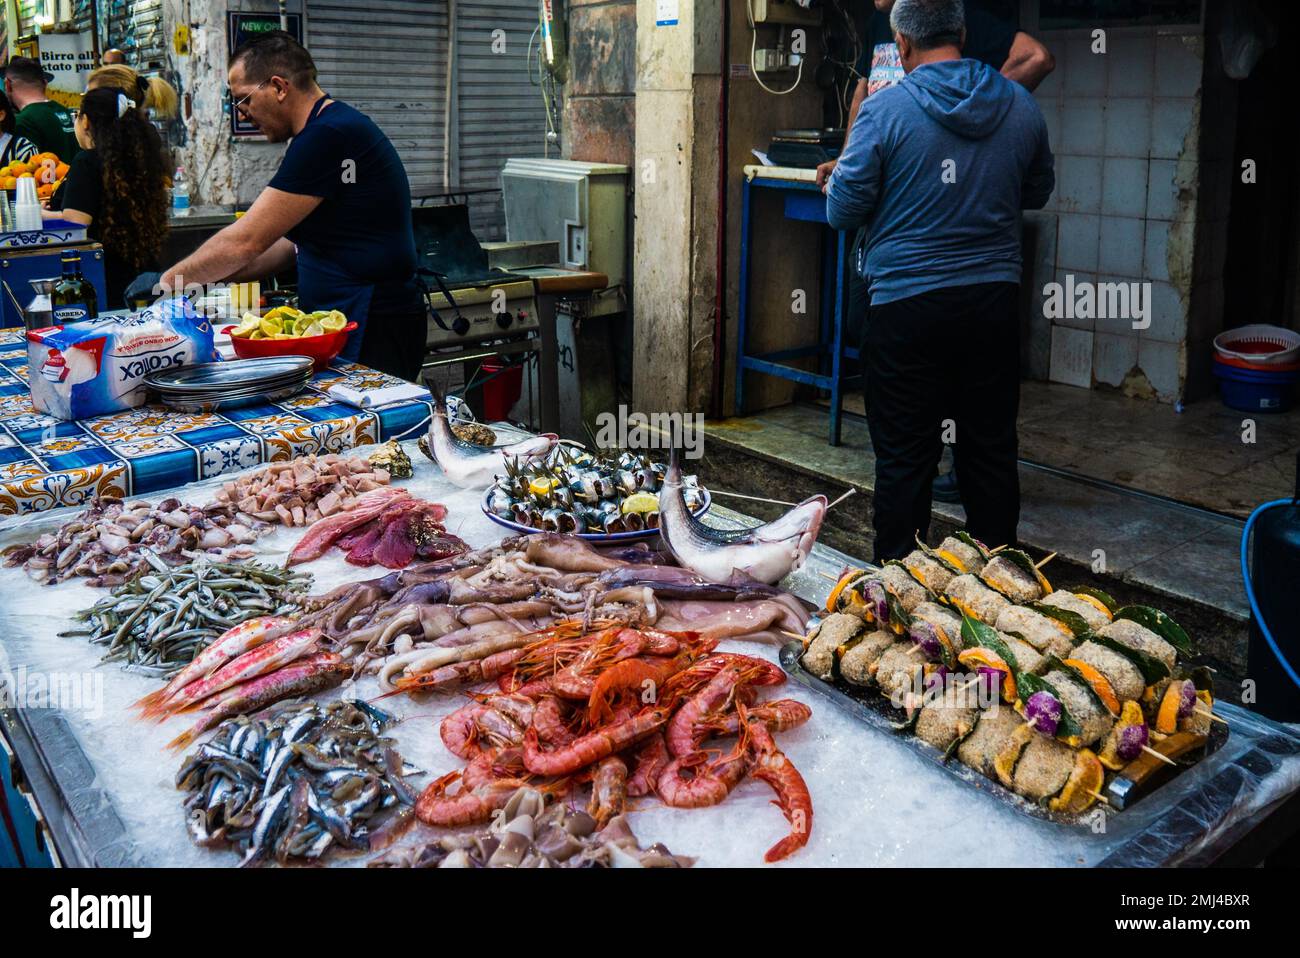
[460,326]
[504,318]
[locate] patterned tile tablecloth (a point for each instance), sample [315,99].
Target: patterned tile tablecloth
[46,463]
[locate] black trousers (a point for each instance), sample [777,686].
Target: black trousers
[396,332]
[949,354]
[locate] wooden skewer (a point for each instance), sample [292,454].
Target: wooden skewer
[1201,710]
[1163,758]
[994,552]
[913,650]
[737,495]
[1039,565]
[793,635]
[1099,796]
[840,499]
[827,575]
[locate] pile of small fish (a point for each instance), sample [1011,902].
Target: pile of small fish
[107,542]
[303,490]
[160,619]
[386,526]
[294,780]
[571,490]
[528,834]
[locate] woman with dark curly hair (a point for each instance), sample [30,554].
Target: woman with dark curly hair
[117,185]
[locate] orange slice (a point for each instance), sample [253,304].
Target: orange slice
[1082,787]
[1100,684]
[839,587]
[1096,603]
[976,657]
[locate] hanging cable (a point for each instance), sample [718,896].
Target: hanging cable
[753,47]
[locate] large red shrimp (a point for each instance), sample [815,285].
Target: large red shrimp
[651,759]
[696,780]
[608,790]
[468,806]
[767,762]
[592,747]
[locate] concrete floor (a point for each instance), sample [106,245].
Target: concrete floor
[1153,550]
[1200,456]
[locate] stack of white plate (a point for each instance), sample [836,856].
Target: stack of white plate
[211,387]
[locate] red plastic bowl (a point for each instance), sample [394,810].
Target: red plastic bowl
[322,349]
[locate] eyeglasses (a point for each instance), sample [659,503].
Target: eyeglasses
[239,104]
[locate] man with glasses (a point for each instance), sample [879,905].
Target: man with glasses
[339,208]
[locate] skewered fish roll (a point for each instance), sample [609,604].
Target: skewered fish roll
[1121,673]
[898,671]
[1094,721]
[965,556]
[832,632]
[1042,632]
[1043,768]
[1017,580]
[1141,639]
[993,731]
[858,665]
[909,592]
[948,719]
[928,570]
[970,594]
[936,629]
[1028,659]
[1086,608]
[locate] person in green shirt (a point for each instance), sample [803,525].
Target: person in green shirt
[42,121]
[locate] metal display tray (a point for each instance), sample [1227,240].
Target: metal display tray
[871,708]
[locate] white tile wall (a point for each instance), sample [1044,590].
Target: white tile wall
[1087,73]
[1171,118]
[1115,322]
[1124,185]
[1077,242]
[1124,127]
[1178,65]
[1083,126]
[1120,249]
[1128,127]
[1168,317]
[1078,184]
[1073,321]
[1155,261]
[1162,363]
[1112,357]
[1071,357]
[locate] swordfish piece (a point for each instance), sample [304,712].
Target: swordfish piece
[474,467]
[765,553]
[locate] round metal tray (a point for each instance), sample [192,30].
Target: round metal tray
[231,375]
[591,536]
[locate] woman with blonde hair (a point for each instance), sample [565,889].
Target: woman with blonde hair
[153,94]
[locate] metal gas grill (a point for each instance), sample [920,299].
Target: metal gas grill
[470,302]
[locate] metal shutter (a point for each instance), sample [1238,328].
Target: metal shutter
[500,113]
[389,60]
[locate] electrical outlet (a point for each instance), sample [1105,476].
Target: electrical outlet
[785,11]
[768,60]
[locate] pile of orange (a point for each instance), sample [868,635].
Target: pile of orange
[45,168]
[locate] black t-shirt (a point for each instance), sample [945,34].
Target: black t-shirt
[363,227]
[989,35]
[83,189]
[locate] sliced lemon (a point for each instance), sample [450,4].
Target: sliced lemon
[640,502]
[270,325]
[334,321]
[541,486]
[313,329]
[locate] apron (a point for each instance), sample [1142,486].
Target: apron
[330,286]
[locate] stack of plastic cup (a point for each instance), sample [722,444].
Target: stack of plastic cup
[27,210]
[6,213]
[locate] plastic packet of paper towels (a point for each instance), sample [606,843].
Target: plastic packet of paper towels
[97,367]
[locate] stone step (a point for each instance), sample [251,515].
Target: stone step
[1146,550]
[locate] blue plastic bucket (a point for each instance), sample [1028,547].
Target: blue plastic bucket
[1256,390]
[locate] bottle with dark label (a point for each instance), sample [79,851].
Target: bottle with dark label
[73,298]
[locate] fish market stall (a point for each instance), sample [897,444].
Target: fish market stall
[46,463]
[105,779]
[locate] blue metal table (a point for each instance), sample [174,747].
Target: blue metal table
[803,201]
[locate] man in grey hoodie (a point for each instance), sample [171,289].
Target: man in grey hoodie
[938,168]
